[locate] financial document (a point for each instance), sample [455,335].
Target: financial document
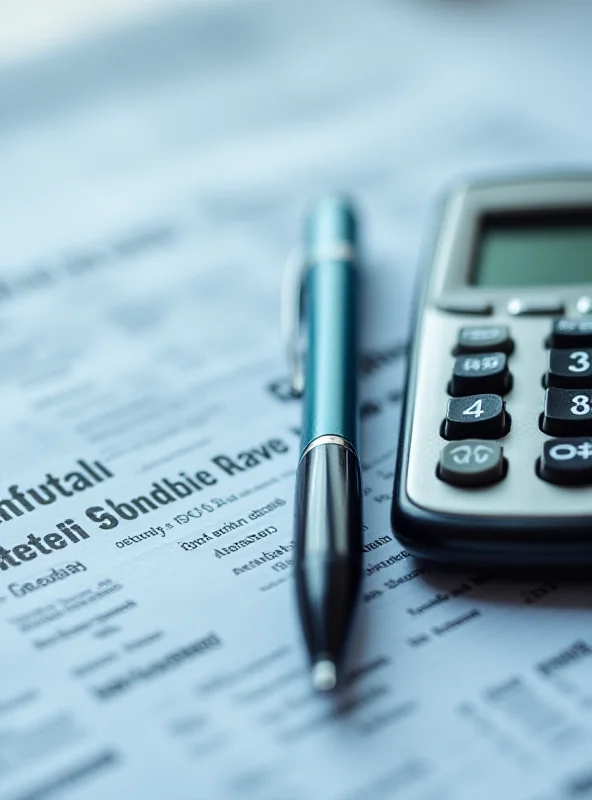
[153,182]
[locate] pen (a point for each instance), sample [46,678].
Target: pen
[328,518]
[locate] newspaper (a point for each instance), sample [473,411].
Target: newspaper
[153,182]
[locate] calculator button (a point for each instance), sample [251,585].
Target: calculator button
[569,333]
[584,304]
[567,412]
[479,415]
[476,307]
[473,462]
[567,461]
[570,369]
[534,308]
[482,372]
[484,339]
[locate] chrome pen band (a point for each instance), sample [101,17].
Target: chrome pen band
[328,439]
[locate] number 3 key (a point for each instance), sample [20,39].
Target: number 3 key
[570,369]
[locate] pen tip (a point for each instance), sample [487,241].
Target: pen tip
[324,676]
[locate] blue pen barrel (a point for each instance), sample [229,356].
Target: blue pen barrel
[330,397]
[327,519]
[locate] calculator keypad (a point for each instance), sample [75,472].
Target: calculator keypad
[570,369]
[567,412]
[480,373]
[474,462]
[567,461]
[478,415]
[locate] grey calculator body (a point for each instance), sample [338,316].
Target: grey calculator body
[495,456]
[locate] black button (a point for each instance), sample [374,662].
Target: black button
[519,307]
[571,333]
[484,339]
[474,307]
[479,415]
[570,369]
[567,412]
[482,372]
[567,461]
[473,462]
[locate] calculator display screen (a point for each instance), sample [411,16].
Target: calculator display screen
[534,249]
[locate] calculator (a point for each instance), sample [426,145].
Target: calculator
[494,464]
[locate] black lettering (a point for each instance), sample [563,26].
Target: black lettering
[24,552]
[161,495]
[49,495]
[80,531]
[7,559]
[51,480]
[79,482]
[191,482]
[124,510]
[102,468]
[250,459]
[227,465]
[178,487]
[104,520]
[206,478]
[61,526]
[55,541]
[141,503]
[278,446]
[89,471]
[35,541]
[8,510]
[19,496]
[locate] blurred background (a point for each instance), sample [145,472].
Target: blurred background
[31,26]
[157,158]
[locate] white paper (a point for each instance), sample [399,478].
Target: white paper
[152,186]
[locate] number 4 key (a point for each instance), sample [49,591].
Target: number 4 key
[478,415]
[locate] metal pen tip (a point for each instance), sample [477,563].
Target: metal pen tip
[324,676]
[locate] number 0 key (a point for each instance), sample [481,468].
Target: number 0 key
[567,461]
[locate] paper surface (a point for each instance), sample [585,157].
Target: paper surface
[152,185]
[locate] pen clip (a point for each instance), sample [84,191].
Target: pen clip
[292,319]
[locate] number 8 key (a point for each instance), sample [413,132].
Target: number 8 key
[567,412]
